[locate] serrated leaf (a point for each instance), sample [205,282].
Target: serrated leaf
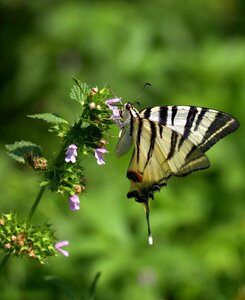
[79,92]
[19,150]
[76,94]
[49,118]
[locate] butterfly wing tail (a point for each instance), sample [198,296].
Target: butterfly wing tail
[144,199]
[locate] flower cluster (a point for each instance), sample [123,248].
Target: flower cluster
[65,174]
[19,238]
[71,153]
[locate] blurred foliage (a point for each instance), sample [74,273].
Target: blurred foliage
[192,52]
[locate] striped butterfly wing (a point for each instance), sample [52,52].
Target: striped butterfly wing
[156,158]
[203,126]
[168,140]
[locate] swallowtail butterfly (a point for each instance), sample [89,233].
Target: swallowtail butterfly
[167,140]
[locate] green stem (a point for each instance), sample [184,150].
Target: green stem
[35,204]
[4,261]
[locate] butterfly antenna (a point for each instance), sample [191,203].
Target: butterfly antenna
[139,95]
[147,84]
[147,214]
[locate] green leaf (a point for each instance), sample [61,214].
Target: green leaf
[45,183]
[80,91]
[85,124]
[92,289]
[49,118]
[21,149]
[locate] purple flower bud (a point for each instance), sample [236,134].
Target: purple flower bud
[61,244]
[71,153]
[74,202]
[99,155]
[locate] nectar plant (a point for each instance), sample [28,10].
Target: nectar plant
[64,174]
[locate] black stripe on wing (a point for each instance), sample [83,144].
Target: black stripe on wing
[163,115]
[200,117]
[174,112]
[152,141]
[138,139]
[188,125]
[160,127]
[147,113]
[195,160]
[174,139]
[222,125]
[128,107]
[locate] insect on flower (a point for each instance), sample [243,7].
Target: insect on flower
[168,141]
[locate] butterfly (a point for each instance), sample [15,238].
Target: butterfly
[168,141]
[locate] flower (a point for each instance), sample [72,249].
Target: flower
[61,244]
[113,100]
[115,116]
[74,202]
[98,153]
[71,153]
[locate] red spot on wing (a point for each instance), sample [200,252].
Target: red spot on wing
[134,176]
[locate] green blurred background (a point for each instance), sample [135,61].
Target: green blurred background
[192,52]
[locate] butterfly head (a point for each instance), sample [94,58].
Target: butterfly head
[128,111]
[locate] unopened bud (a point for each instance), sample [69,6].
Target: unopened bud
[32,254]
[7,246]
[92,105]
[13,238]
[94,90]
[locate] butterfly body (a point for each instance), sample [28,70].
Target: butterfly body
[168,140]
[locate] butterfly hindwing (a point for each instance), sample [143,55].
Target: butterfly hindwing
[157,156]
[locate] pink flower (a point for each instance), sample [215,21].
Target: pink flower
[74,202]
[99,155]
[61,244]
[71,153]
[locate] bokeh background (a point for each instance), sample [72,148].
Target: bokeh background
[192,52]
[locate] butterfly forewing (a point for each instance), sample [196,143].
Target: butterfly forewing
[203,126]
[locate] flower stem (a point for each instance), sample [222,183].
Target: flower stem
[35,204]
[4,261]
